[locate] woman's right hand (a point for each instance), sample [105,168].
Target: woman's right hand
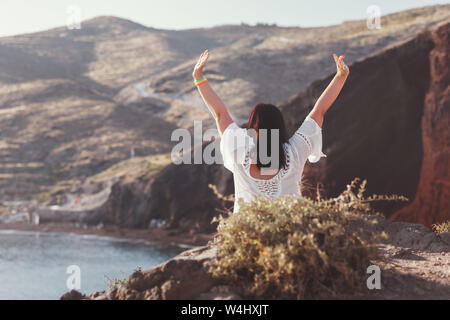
[198,69]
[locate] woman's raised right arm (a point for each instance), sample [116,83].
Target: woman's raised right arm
[211,99]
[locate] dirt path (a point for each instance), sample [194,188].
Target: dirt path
[415,274]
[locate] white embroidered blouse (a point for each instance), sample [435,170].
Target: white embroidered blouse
[238,154]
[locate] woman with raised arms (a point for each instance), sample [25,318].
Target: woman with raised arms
[265,162]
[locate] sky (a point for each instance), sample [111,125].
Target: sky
[25,16]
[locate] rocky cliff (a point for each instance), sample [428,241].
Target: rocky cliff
[390,126]
[178,195]
[432,201]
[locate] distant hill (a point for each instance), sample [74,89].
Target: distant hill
[74,102]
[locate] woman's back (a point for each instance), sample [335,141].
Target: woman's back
[239,153]
[236,146]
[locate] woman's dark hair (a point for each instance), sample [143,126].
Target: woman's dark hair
[268,116]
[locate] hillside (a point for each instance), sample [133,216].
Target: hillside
[74,102]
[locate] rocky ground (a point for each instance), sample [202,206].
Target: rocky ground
[415,265]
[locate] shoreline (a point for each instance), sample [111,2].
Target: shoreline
[172,237]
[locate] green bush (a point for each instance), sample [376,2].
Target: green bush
[299,248]
[441,227]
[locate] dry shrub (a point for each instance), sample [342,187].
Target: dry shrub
[299,248]
[441,227]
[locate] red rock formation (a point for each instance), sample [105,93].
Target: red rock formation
[389,126]
[432,201]
[373,130]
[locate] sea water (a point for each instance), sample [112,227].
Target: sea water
[36,265]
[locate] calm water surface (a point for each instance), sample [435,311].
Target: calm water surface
[33,265]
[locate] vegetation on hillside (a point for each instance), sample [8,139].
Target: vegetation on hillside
[441,227]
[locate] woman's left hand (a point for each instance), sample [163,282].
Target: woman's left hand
[342,68]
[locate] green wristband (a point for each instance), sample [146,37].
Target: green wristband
[200,80]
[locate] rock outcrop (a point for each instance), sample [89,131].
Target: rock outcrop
[432,201]
[182,277]
[186,275]
[178,195]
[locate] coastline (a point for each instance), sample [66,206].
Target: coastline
[171,236]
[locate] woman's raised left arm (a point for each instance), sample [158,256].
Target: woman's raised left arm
[330,94]
[211,99]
